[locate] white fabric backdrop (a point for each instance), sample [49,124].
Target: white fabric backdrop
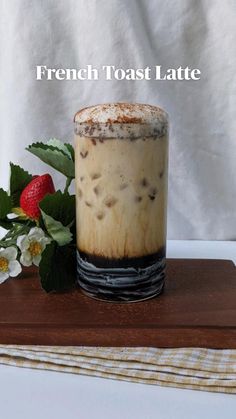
[131,33]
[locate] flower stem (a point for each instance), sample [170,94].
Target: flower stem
[7,243]
[68,182]
[10,238]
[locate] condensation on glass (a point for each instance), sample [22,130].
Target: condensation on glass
[121,192]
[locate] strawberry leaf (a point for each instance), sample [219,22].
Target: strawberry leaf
[6,224]
[5,204]
[60,206]
[57,230]
[55,157]
[57,269]
[19,179]
[71,150]
[66,148]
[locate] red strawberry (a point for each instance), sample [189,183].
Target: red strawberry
[33,193]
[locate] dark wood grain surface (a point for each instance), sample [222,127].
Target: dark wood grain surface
[197,308]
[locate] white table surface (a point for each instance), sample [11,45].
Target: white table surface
[32,394]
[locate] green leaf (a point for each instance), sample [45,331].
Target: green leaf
[6,224]
[60,206]
[19,179]
[5,204]
[54,157]
[71,150]
[14,231]
[65,148]
[57,269]
[57,230]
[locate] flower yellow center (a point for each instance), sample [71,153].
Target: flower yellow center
[3,264]
[35,248]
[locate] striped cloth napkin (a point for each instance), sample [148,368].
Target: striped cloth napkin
[191,368]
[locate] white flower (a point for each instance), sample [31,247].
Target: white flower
[32,246]
[9,266]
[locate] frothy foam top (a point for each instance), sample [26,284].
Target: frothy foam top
[121,120]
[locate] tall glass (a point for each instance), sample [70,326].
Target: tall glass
[121,155]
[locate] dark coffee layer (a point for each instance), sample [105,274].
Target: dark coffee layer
[121,283]
[135,262]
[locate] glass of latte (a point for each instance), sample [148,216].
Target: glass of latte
[121,162]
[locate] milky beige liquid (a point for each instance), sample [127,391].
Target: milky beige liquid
[121,187]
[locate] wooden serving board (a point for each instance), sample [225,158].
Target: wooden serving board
[197,308]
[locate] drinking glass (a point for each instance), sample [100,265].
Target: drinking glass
[121,154]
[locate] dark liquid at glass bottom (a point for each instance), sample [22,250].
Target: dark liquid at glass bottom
[128,279]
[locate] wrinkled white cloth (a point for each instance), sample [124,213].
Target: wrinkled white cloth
[134,33]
